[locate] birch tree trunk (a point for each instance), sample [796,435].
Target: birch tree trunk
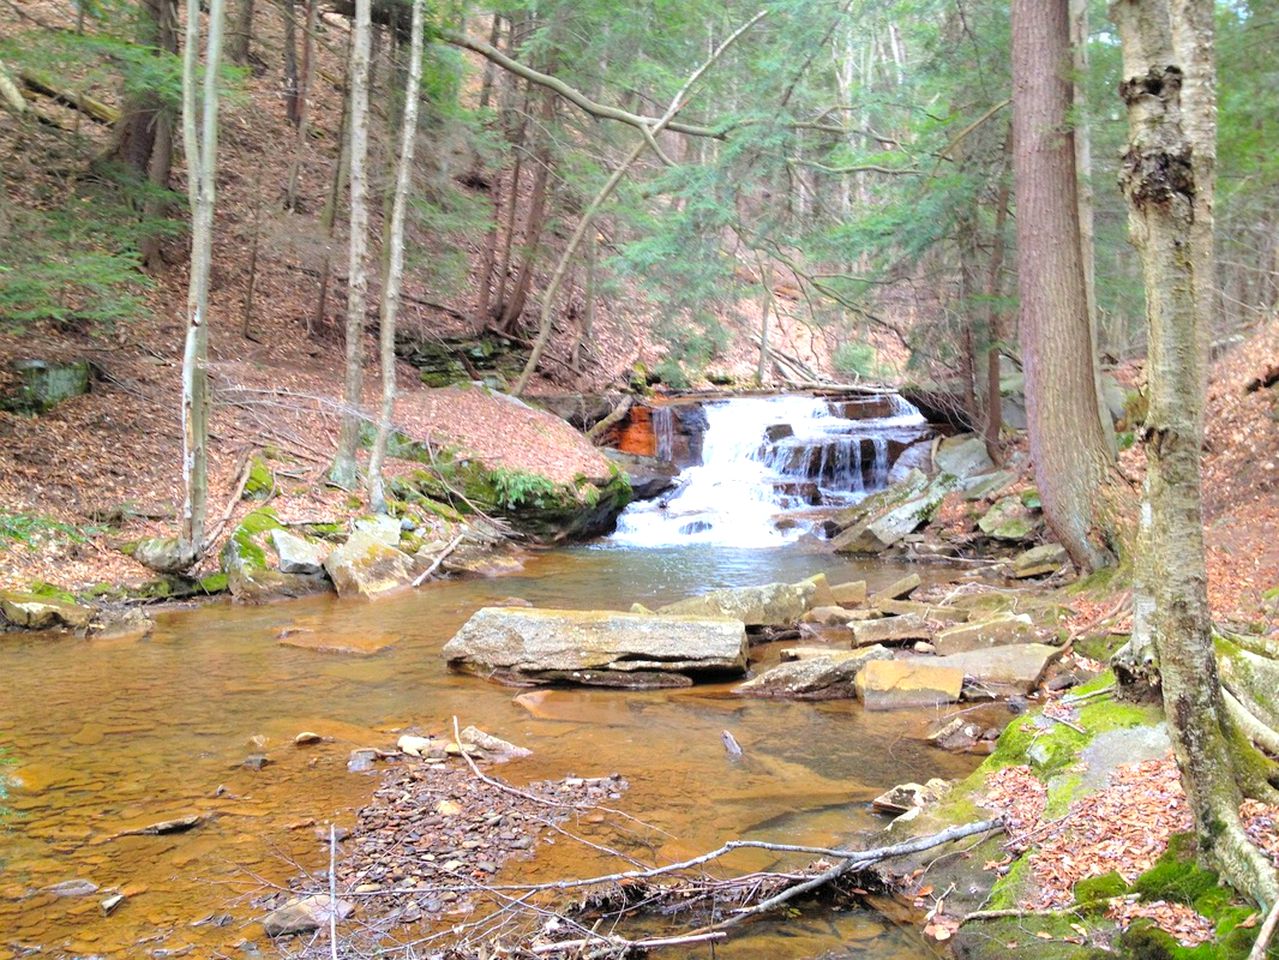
[1071,457]
[343,472]
[1167,175]
[200,141]
[395,260]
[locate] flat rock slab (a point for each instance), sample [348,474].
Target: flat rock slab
[366,567]
[1037,561]
[1018,668]
[891,630]
[849,594]
[899,589]
[998,631]
[963,456]
[772,604]
[360,645]
[42,613]
[828,677]
[532,645]
[929,611]
[917,682]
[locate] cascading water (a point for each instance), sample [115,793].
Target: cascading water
[763,456]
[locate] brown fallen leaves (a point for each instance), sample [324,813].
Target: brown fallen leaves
[1123,828]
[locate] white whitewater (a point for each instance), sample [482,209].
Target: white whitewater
[732,498]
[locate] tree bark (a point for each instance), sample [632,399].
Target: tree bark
[343,472]
[995,333]
[1072,461]
[395,260]
[200,140]
[535,222]
[304,90]
[241,36]
[137,130]
[1167,175]
[292,105]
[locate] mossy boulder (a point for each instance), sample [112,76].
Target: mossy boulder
[251,576]
[32,612]
[261,481]
[167,555]
[1010,519]
[367,568]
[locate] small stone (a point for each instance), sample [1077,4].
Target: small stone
[72,888]
[256,761]
[304,914]
[448,808]
[110,903]
[306,737]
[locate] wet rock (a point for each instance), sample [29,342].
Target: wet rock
[123,626]
[358,644]
[849,594]
[495,748]
[963,456]
[956,735]
[891,630]
[832,616]
[908,796]
[480,561]
[695,526]
[769,605]
[381,527]
[987,485]
[877,533]
[361,759]
[421,746]
[929,611]
[1008,628]
[1007,670]
[298,554]
[256,761]
[532,645]
[304,914]
[250,578]
[72,888]
[161,827]
[897,590]
[778,431]
[649,476]
[1009,519]
[1037,561]
[368,568]
[41,613]
[306,737]
[109,904]
[829,676]
[891,684]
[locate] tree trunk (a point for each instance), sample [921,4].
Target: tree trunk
[535,222]
[996,333]
[137,129]
[1167,175]
[966,241]
[1072,461]
[241,34]
[343,472]
[395,260]
[765,308]
[304,90]
[200,139]
[292,105]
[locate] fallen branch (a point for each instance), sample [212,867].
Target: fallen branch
[617,414]
[1265,934]
[435,565]
[622,944]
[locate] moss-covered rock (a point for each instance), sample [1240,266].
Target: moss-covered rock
[261,481]
[31,612]
[250,576]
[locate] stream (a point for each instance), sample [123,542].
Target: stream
[107,736]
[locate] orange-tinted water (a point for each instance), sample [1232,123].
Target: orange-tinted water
[108,736]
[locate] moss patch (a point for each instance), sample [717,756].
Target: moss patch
[261,482]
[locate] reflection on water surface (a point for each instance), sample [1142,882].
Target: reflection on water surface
[108,736]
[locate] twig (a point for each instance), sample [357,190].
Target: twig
[620,943]
[1265,934]
[333,891]
[240,484]
[435,565]
[1066,723]
[1018,912]
[1081,697]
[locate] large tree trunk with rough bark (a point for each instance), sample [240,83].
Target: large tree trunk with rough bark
[1167,176]
[1080,495]
[343,472]
[200,142]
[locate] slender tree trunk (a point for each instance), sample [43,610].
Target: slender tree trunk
[343,472]
[328,216]
[535,222]
[304,90]
[586,332]
[486,82]
[395,260]
[240,37]
[966,241]
[1168,177]
[200,139]
[292,107]
[996,333]
[765,308]
[1072,460]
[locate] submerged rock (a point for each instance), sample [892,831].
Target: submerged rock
[917,682]
[305,914]
[813,675]
[539,646]
[770,605]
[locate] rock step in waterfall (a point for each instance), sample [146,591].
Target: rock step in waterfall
[766,462]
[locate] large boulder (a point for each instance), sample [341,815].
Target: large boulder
[1004,671]
[963,457]
[828,675]
[772,604]
[1010,519]
[1000,631]
[367,568]
[916,682]
[649,476]
[597,647]
[918,456]
[250,576]
[42,613]
[298,554]
[892,630]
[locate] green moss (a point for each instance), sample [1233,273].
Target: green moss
[1105,887]
[261,482]
[1062,792]
[325,531]
[244,539]
[1012,886]
[214,583]
[1030,498]
[49,591]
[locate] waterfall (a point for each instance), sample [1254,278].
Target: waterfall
[664,433]
[762,458]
